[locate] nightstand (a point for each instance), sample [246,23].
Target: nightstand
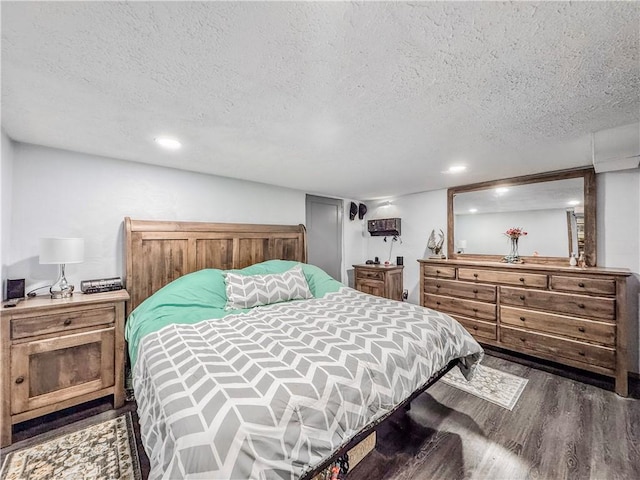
[380,280]
[57,353]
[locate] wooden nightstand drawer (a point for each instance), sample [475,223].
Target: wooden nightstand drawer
[525,279]
[59,322]
[596,286]
[369,274]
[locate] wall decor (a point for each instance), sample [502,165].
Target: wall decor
[436,245]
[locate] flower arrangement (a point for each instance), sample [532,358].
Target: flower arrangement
[515,233]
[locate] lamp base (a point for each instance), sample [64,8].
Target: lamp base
[61,289]
[62,293]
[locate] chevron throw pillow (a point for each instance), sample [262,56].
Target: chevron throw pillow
[246,291]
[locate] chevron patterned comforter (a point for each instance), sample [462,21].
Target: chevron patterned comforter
[271,393]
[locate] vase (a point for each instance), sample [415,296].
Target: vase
[514,256]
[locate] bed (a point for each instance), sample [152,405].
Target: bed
[278,390]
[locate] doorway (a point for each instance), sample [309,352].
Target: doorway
[324,234]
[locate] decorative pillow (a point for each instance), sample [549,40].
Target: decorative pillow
[246,291]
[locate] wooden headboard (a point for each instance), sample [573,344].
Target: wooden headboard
[159,252]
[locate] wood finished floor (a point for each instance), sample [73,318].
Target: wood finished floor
[559,429]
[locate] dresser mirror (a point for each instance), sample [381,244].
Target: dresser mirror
[557,210]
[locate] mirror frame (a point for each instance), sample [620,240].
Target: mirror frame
[589,177]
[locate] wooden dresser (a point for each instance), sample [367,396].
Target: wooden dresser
[569,315]
[57,353]
[380,280]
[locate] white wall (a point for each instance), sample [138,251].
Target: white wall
[618,239]
[63,193]
[6,176]
[546,232]
[419,213]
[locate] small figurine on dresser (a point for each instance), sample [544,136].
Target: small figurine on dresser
[436,245]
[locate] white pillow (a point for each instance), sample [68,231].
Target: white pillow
[246,291]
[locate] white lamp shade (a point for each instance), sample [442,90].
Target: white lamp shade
[61,250]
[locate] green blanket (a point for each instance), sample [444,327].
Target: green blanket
[201,296]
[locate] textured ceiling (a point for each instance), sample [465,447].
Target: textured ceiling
[359,100]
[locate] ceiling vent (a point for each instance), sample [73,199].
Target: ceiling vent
[616,148]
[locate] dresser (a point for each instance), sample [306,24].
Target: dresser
[569,315]
[380,280]
[57,353]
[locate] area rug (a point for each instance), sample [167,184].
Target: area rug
[105,450]
[489,384]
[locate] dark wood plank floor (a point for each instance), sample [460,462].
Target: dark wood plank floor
[560,429]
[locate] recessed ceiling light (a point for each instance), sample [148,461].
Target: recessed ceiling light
[168,143]
[573,203]
[473,210]
[502,190]
[457,169]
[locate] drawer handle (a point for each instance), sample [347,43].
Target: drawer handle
[475,275]
[522,339]
[522,297]
[581,329]
[437,303]
[475,310]
[522,318]
[475,327]
[582,354]
[522,279]
[581,284]
[437,285]
[437,271]
[67,322]
[475,290]
[20,379]
[581,305]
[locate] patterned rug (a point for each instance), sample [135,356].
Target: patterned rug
[489,384]
[106,451]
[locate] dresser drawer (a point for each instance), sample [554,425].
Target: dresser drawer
[478,328]
[468,308]
[589,330]
[580,305]
[559,347]
[439,272]
[596,286]
[535,280]
[59,322]
[460,289]
[369,274]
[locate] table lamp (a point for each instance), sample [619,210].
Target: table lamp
[61,251]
